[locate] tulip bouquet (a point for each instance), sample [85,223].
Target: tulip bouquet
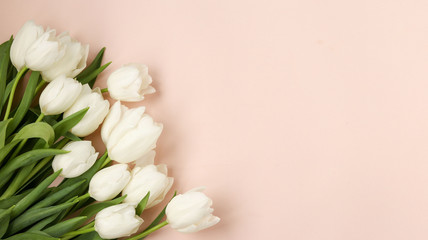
[94,196]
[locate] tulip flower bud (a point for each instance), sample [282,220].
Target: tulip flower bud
[191,212]
[26,36]
[44,52]
[59,95]
[130,83]
[73,62]
[129,134]
[117,221]
[151,179]
[109,182]
[98,109]
[80,158]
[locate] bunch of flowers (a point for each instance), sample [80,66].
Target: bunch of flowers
[100,196]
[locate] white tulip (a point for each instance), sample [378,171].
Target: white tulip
[109,182]
[26,36]
[147,159]
[98,109]
[44,52]
[191,212]
[129,134]
[73,62]
[117,221]
[151,179]
[80,158]
[59,95]
[130,83]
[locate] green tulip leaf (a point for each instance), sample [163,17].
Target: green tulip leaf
[34,195]
[44,222]
[4,151]
[66,226]
[32,236]
[41,167]
[56,196]
[37,130]
[4,220]
[142,205]
[62,127]
[32,216]
[51,219]
[96,63]
[35,178]
[6,93]
[90,79]
[26,159]
[93,209]
[17,181]
[89,236]
[4,67]
[10,201]
[11,73]
[3,128]
[25,102]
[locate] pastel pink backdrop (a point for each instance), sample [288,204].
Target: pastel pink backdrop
[304,119]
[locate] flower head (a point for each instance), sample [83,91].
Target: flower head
[151,179]
[98,109]
[117,221]
[25,37]
[129,134]
[81,157]
[130,83]
[191,212]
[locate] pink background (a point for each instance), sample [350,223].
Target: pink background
[304,119]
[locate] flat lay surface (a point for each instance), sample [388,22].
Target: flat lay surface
[304,119]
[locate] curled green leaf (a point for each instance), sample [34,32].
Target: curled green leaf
[40,130]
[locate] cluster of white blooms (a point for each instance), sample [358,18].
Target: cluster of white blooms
[129,134]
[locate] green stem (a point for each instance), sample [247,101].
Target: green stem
[12,92]
[78,232]
[85,196]
[147,232]
[89,225]
[40,118]
[84,228]
[104,90]
[108,159]
[40,85]
[21,144]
